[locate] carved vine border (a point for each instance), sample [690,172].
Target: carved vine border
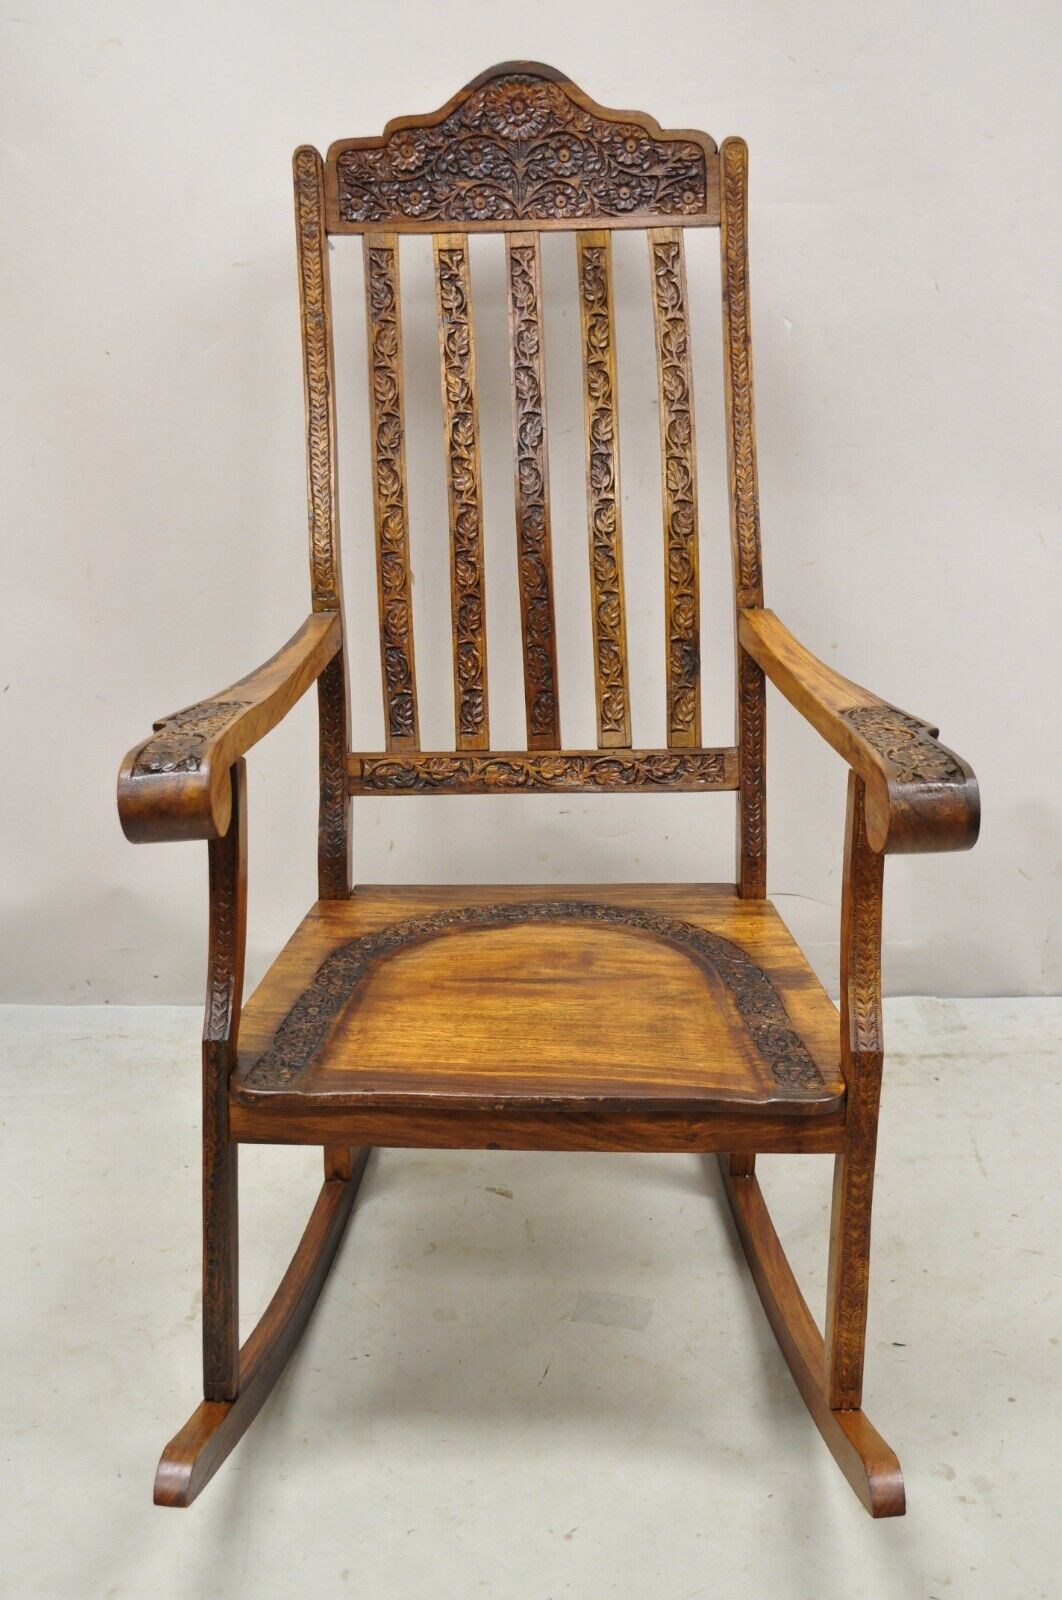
[626,769]
[305,1029]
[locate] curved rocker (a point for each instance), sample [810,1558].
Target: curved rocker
[861,1453]
[193,1455]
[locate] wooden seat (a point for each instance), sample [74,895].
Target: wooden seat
[577,1017]
[637,1013]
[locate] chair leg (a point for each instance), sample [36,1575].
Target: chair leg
[338,1161]
[848,1284]
[865,1459]
[194,1454]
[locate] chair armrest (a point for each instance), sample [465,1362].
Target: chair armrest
[919,795]
[175,785]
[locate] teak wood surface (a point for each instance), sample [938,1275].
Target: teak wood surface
[626,1017]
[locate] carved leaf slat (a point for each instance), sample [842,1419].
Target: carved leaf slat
[568,771]
[461,425]
[383,310]
[603,491]
[525,147]
[534,545]
[678,453]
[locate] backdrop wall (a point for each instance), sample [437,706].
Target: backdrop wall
[905,174]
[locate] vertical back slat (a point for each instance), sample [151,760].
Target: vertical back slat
[602,490]
[457,353]
[744,513]
[387,420]
[679,476]
[533,539]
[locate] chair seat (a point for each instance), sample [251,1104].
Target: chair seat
[634,1000]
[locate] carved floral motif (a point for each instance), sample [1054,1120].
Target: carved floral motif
[305,1029]
[610,639]
[680,491]
[462,453]
[392,522]
[179,742]
[628,769]
[906,744]
[516,148]
[532,512]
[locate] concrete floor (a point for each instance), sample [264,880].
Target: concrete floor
[529,1376]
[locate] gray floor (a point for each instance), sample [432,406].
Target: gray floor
[529,1376]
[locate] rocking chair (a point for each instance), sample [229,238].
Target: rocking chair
[486,1017]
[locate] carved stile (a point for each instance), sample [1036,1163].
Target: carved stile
[387,420]
[534,545]
[679,462]
[318,378]
[744,513]
[461,425]
[601,417]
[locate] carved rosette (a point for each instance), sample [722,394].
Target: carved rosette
[317,362]
[462,453]
[680,491]
[610,638]
[389,469]
[577,771]
[305,1028]
[532,506]
[906,744]
[180,740]
[520,148]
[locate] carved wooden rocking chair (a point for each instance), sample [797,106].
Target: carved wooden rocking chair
[484,1017]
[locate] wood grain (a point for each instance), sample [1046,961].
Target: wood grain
[513,1000]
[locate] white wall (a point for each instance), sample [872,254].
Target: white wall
[905,235]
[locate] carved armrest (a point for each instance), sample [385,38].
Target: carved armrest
[175,784]
[919,795]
